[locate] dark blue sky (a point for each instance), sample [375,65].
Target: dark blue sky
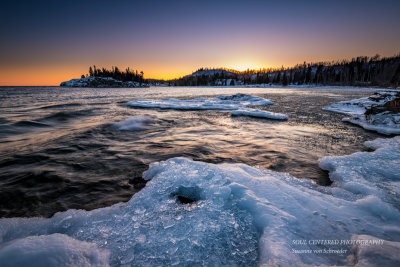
[58,39]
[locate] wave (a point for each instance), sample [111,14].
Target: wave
[45,121]
[3,121]
[134,124]
[61,105]
[66,115]
[30,124]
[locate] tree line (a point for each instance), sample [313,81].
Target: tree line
[116,73]
[359,71]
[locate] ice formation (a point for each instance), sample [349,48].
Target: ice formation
[52,250]
[237,104]
[369,174]
[133,124]
[382,121]
[223,102]
[197,213]
[259,114]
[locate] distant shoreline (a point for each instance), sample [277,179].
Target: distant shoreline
[294,86]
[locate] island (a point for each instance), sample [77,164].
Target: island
[102,82]
[105,78]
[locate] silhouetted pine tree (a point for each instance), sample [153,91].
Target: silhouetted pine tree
[116,73]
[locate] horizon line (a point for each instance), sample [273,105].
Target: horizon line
[272,69]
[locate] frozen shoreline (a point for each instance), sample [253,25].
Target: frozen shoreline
[290,86]
[231,203]
[372,113]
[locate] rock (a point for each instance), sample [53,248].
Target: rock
[101,82]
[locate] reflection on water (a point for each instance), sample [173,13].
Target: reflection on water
[60,148]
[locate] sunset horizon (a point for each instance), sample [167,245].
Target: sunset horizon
[40,77]
[49,46]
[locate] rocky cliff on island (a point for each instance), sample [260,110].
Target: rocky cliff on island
[101,82]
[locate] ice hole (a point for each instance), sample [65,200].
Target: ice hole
[187,195]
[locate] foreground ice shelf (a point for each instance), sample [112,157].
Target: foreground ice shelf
[234,215]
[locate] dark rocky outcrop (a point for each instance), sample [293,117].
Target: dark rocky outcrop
[101,82]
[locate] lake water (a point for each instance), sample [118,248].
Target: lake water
[60,148]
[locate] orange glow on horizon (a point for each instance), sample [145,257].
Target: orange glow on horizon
[246,66]
[54,74]
[168,39]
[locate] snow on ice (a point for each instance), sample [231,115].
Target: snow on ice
[259,114]
[238,105]
[372,113]
[52,250]
[223,102]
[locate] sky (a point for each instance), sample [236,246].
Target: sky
[47,42]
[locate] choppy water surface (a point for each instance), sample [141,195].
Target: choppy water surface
[60,147]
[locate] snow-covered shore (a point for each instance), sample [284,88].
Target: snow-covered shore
[379,112]
[305,86]
[289,86]
[101,82]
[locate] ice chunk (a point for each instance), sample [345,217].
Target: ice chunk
[383,123]
[259,114]
[52,250]
[224,102]
[155,227]
[133,124]
[238,105]
[369,173]
[351,107]
[372,113]
[356,107]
